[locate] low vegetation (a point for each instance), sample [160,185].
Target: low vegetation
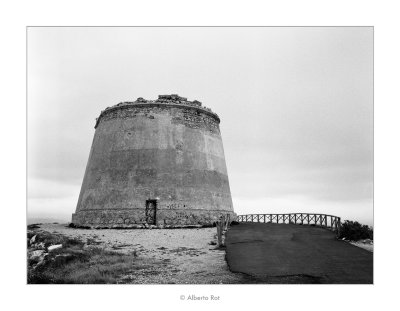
[354,231]
[75,262]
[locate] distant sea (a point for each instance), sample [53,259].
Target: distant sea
[42,220]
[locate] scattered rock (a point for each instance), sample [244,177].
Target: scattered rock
[367,241]
[33,239]
[39,245]
[36,254]
[54,247]
[89,247]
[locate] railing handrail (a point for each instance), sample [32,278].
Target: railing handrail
[295,218]
[291,214]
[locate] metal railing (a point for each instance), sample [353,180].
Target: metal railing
[323,220]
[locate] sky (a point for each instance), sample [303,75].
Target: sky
[296,108]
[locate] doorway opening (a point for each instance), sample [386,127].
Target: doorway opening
[151,211]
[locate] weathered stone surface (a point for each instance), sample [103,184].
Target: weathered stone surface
[54,247]
[40,245]
[33,239]
[169,150]
[35,255]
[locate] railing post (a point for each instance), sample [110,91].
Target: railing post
[339,227]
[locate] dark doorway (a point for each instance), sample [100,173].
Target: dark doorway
[151,211]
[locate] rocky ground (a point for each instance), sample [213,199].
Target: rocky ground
[58,253]
[365,244]
[157,256]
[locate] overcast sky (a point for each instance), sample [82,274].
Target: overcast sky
[296,108]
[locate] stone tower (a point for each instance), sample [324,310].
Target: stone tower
[158,162]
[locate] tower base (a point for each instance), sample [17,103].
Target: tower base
[135,218]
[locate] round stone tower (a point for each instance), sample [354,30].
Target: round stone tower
[157,162]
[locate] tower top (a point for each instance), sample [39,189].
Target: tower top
[172,100]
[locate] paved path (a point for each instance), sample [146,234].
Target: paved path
[283,253]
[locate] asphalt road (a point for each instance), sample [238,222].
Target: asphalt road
[283,253]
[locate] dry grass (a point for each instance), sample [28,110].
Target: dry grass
[77,264]
[167,256]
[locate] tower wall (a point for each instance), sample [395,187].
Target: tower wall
[163,151]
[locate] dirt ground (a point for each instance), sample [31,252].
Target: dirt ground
[368,247]
[174,256]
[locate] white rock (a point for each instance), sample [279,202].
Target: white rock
[53,247]
[36,254]
[33,239]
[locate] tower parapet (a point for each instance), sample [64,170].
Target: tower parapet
[167,100]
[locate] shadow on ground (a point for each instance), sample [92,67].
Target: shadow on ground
[295,254]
